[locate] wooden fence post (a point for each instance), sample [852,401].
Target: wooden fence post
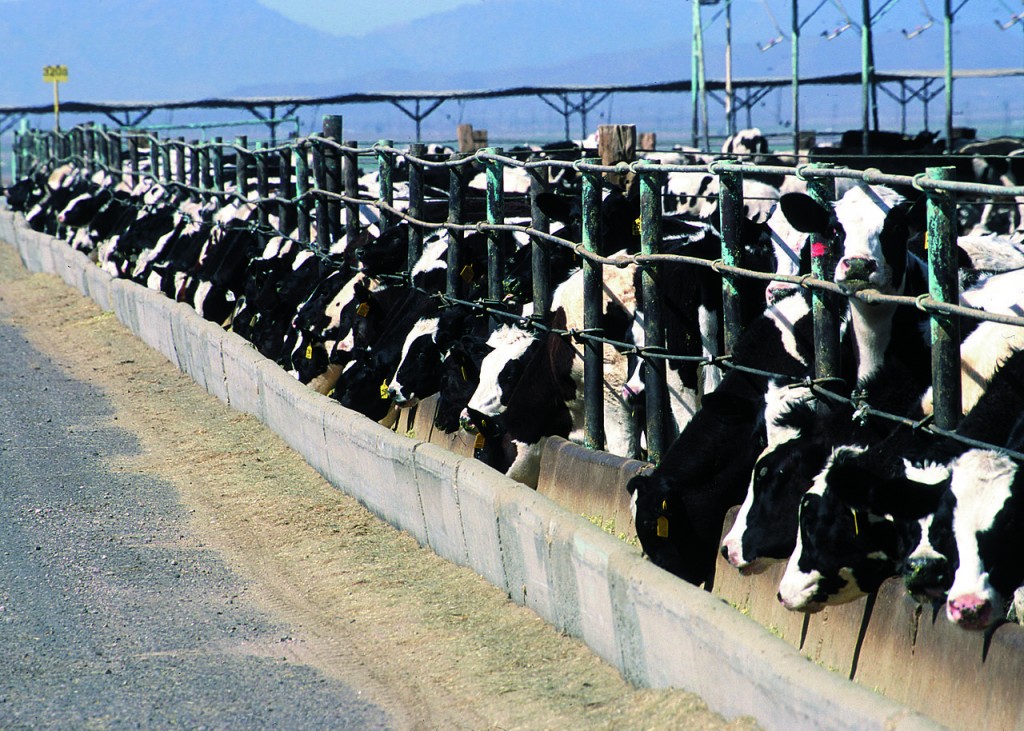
[350,177]
[617,143]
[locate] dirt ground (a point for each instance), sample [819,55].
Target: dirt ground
[432,643]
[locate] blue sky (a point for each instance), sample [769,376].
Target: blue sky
[357,17]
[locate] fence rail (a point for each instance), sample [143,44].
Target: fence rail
[314,186]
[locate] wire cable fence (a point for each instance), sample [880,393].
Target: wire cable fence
[307,191]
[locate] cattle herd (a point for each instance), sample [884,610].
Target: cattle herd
[824,479]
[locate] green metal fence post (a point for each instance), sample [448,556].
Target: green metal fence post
[826,307]
[730,205]
[217,163]
[540,250]
[655,389]
[456,199]
[350,181]
[593,296]
[415,201]
[332,175]
[286,191]
[302,208]
[262,192]
[495,174]
[180,166]
[943,286]
[195,174]
[242,166]
[385,174]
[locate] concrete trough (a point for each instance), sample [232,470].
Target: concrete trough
[657,630]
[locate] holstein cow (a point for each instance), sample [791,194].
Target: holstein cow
[829,565]
[679,508]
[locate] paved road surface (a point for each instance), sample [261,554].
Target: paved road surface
[111,614]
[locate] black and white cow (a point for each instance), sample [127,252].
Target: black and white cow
[679,508]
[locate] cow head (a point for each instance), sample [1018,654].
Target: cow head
[418,372]
[873,225]
[500,371]
[988,525]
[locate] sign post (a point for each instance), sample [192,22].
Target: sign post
[55,75]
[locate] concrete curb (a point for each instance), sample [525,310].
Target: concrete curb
[657,630]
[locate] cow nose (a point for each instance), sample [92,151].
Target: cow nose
[631,393]
[466,421]
[856,267]
[970,611]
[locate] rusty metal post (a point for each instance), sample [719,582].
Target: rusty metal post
[286,191]
[385,175]
[495,174]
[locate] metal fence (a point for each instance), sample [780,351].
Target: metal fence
[315,188]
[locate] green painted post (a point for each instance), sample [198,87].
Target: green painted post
[350,180]
[332,174]
[456,198]
[415,240]
[323,223]
[495,239]
[154,157]
[730,207]
[195,170]
[242,166]
[385,174]
[943,286]
[655,388]
[115,151]
[262,192]
[540,251]
[826,307]
[133,158]
[286,190]
[180,168]
[89,143]
[217,163]
[593,295]
[302,208]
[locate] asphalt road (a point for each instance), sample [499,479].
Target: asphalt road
[112,615]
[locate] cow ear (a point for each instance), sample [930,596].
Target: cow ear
[805,214]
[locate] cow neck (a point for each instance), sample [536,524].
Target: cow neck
[872,334]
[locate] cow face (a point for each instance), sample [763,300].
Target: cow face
[988,525]
[841,553]
[418,372]
[872,225]
[501,370]
[663,527]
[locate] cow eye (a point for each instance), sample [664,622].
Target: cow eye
[762,473]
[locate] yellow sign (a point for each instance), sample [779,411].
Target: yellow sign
[55,73]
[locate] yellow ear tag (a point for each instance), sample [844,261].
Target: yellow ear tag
[253,320]
[363,310]
[309,352]
[926,241]
[384,389]
[467,273]
[856,528]
[662,530]
[479,441]
[462,370]
[636,226]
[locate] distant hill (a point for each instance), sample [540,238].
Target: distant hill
[152,50]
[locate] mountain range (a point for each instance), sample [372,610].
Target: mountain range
[161,50]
